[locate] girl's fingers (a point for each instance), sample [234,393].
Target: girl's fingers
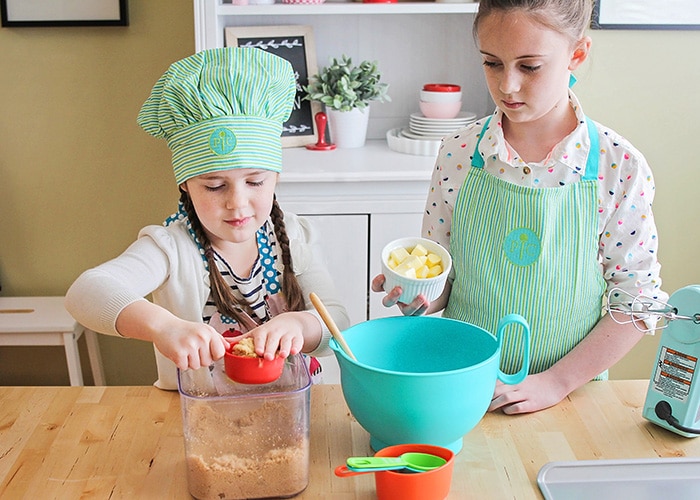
[378,283]
[285,347]
[392,297]
[193,361]
[218,348]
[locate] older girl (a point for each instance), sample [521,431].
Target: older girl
[543,209]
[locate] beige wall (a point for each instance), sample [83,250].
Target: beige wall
[641,83]
[79,178]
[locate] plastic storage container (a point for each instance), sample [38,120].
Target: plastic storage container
[246,441]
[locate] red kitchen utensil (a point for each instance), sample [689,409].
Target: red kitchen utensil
[249,370]
[321,145]
[442,87]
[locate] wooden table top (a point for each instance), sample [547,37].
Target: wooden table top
[127,442]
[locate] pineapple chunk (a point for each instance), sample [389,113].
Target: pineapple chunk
[434,271]
[410,263]
[399,254]
[410,273]
[433,259]
[422,272]
[416,262]
[419,250]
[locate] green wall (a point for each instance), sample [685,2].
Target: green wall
[79,178]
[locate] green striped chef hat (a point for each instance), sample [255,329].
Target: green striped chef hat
[222,109]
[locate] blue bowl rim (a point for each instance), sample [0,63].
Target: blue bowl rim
[333,344]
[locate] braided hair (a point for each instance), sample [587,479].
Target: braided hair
[224,299]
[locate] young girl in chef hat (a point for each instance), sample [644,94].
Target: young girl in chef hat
[543,209]
[229,259]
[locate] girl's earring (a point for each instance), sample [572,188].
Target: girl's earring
[572,80]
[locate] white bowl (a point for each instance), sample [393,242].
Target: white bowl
[428,96]
[431,288]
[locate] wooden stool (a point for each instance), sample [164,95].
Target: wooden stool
[44,321]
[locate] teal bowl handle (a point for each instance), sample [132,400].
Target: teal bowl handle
[518,377]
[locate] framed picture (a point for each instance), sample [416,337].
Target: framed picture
[296,45]
[31,13]
[646,14]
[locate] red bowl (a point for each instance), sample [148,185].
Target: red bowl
[442,87]
[247,370]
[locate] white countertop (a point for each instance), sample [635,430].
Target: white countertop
[372,179]
[374,162]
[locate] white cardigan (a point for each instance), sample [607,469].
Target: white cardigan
[165,262]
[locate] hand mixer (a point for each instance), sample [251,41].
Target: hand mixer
[673,395]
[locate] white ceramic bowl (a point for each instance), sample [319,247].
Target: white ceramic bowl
[431,288]
[428,96]
[443,110]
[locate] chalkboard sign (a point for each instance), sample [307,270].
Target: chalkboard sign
[296,45]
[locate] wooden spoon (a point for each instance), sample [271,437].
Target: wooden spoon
[326,317]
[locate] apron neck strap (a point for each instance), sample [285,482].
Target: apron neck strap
[591,161]
[593,152]
[477,160]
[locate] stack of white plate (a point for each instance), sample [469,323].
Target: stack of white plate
[420,127]
[423,147]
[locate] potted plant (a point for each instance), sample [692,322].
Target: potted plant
[346,91]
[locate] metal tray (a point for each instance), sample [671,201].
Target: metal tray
[641,479]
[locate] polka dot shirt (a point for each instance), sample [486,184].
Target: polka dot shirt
[628,243]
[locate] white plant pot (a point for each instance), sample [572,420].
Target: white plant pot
[348,128]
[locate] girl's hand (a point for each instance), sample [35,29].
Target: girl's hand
[417,307]
[190,345]
[282,335]
[185,343]
[536,392]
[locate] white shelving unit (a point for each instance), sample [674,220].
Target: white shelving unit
[362,198]
[413,42]
[218,14]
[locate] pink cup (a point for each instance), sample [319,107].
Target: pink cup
[440,110]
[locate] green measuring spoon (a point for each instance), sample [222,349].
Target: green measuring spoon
[419,462]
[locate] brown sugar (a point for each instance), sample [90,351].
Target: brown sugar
[245,348]
[250,449]
[278,473]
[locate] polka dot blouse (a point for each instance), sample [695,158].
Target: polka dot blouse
[628,243]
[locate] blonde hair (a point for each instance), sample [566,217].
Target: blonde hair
[224,299]
[568,17]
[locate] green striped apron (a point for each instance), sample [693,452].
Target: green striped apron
[531,251]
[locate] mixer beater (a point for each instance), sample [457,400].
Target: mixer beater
[673,395]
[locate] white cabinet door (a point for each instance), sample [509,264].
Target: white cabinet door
[345,239]
[383,229]
[345,253]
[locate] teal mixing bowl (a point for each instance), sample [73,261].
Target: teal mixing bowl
[423,379]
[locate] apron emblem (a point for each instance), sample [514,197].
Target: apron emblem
[522,247]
